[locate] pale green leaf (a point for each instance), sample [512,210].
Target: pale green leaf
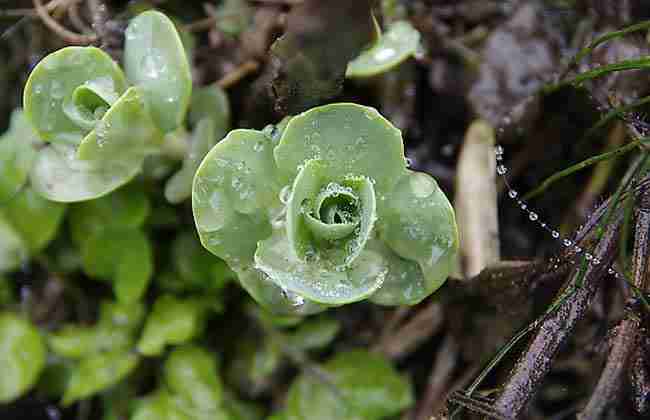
[22,356]
[125,130]
[171,321]
[155,60]
[315,280]
[97,373]
[366,386]
[51,86]
[13,250]
[419,225]
[35,219]
[18,149]
[191,375]
[233,190]
[400,42]
[125,208]
[351,139]
[314,333]
[123,256]
[179,186]
[59,175]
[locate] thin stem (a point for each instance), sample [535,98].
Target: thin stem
[584,164]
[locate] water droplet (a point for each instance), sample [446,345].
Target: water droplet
[595,261]
[259,146]
[152,65]
[285,194]
[589,257]
[567,242]
[498,150]
[533,216]
[422,185]
[577,250]
[502,170]
[523,206]
[56,89]
[610,270]
[384,54]
[409,162]
[512,194]
[555,234]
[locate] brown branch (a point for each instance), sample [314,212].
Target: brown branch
[627,334]
[65,34]
[535,363]
[245,69]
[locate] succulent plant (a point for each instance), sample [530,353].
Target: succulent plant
[102,122]
[322,210]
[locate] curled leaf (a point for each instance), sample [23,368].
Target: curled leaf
[69,91]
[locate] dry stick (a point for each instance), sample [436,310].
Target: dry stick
[244,70]
[533,365]
[66,34]
[627,334]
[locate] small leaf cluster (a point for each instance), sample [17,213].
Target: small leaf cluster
[322,210]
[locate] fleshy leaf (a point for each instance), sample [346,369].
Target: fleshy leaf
[327,220]
[172,321]
[97,373]
[35,219]
[52,84]
[114,331]
[13,250]
[272,297]
[22,356]
[125,130]
[18,149]
[125,208]
[314,334]
[197,268]
[400,42]
[155,60]
[351,139]
[233,189]
[211,102]
[59,175]
[191,374]
[123,256]
[179,186]
[420,226]
[368,387]
[317,280]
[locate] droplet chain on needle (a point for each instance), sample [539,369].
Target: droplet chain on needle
[533,216]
